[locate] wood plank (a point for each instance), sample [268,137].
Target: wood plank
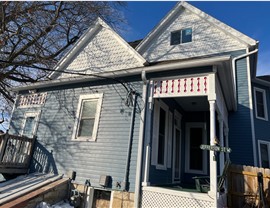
[23,200]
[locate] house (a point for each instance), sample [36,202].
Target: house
[133,119]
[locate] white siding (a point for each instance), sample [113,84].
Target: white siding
[104,52]
[207,39]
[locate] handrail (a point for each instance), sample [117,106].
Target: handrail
[15,151]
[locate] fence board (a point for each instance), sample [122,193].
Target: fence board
[243,189]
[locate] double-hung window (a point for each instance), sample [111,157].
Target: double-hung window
[160,135]
[30,124]
[87,117]
[260,104]
[181,36]
[264,151]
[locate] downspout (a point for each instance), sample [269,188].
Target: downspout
[140,143]
[125,181]
[250,99]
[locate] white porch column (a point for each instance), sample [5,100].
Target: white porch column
[221,143]
[148,133]
[212,159]
[227,141]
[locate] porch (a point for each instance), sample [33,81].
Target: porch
[183,113]
[166,197]
[15,154]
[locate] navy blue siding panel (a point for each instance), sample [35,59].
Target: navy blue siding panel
[240,135]
[262,127]
[55,151]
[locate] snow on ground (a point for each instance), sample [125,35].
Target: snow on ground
[60,204]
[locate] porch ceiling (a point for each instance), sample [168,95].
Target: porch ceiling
[199,103]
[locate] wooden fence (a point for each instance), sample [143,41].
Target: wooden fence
[15,153]
[243,186]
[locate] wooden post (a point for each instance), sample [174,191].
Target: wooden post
[221,143]
[3,146]
[212,154]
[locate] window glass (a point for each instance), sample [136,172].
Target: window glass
[87,119]
[196,154]
[177,154]
[29,126]
[161,137]
[181,36]
[186,35]
[260,104]
[175,37]
[264,155]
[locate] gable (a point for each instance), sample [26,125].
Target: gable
[100,50]
[209,36]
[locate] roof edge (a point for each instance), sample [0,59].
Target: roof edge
[126,72]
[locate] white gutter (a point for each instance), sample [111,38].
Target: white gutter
[250,99]
[127,72]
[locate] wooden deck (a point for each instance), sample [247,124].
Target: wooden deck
[15,153]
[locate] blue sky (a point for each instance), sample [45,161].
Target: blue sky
[249,17]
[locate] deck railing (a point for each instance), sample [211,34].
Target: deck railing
[15,153]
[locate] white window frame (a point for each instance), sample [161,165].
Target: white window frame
[31,114]
[187,147]
[97,97]
[177,116]
[264,103]
[159,104]
[181,31]
[268,145]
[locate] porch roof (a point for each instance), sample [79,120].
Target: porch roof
[223,63]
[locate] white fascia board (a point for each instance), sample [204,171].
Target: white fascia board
[73,51]
[143,44]
[225,28]
[127,72]
[213,21]
[124,43]
[84,39]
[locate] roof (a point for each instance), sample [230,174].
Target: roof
[265,78]
[86,38]
[135,43]
[180,64]
[225,28]
[12,189]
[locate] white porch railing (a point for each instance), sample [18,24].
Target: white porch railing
[162,197]
[181,87]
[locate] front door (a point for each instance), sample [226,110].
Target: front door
[195,157]
[177,148]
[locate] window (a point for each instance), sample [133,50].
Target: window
[264,150]
[195,157]
[160,135]
[260,104]
[181,36]
[30,124]
[87,118]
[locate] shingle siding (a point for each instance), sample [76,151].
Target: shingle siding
[107,155]
[206,39]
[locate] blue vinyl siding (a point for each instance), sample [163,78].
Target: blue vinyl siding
[240,134]
[262,127]
[56,151]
